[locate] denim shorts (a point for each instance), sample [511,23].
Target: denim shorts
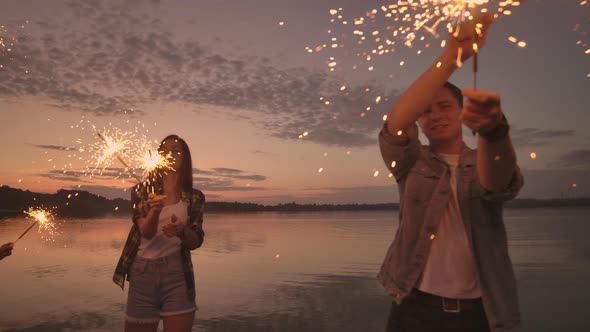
[157,289]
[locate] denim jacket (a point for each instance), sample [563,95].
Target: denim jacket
[424,187]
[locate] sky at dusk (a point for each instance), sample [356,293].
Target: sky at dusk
[236,81]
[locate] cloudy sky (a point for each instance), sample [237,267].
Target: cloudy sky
[235,79]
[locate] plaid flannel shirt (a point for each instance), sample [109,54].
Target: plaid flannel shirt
[195,200]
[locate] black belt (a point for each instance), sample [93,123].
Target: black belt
[445,303]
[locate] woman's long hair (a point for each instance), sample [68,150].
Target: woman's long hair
[185,172]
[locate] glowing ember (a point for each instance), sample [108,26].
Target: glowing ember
[98,148]
[111,148]
[583,31]
[411,23]
[9,39]
[156,163]
[43,218]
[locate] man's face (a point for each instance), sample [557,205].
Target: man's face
[441,121]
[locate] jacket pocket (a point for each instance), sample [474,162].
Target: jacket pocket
[420,184]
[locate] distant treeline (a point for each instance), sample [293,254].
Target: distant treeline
[524,203]
[82,204]
[67,203]
[294,207]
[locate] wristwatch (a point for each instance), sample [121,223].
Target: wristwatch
[498,132]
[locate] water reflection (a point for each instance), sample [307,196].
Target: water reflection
[48,271]
[280,272]
[85,321]
[329,303]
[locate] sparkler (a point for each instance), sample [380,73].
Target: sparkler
[112,149]
[408,23]
[132,149]
[475,61]
[43,218]
[153,162]
[25,232]
[150,163]
[156,161]
[403,24]
[126,146]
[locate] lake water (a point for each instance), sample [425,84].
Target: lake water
[280,272]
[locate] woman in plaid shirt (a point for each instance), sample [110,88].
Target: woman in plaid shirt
[156,259]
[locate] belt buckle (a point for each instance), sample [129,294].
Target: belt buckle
[447,308]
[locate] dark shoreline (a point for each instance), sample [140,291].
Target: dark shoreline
[82,204]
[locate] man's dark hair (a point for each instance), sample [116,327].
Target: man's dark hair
[455,91]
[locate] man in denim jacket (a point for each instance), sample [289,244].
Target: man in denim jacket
[448,268]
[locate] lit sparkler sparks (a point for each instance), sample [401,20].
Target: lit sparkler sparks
[113,148]
[126,146]
[411,24]
[583,31]
[113,144]
[9,38]
[42,217]
[131,148]
[153,163]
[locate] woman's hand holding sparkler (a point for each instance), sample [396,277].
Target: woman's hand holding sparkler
[468,38]
[148,226]
[156,202]
[6,250]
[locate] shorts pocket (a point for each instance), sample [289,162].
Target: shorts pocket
[137,268]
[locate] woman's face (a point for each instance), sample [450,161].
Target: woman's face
[173,148]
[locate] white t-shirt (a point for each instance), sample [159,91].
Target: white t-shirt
[450,270]
[161,245]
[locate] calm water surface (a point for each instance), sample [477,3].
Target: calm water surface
[280,272]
